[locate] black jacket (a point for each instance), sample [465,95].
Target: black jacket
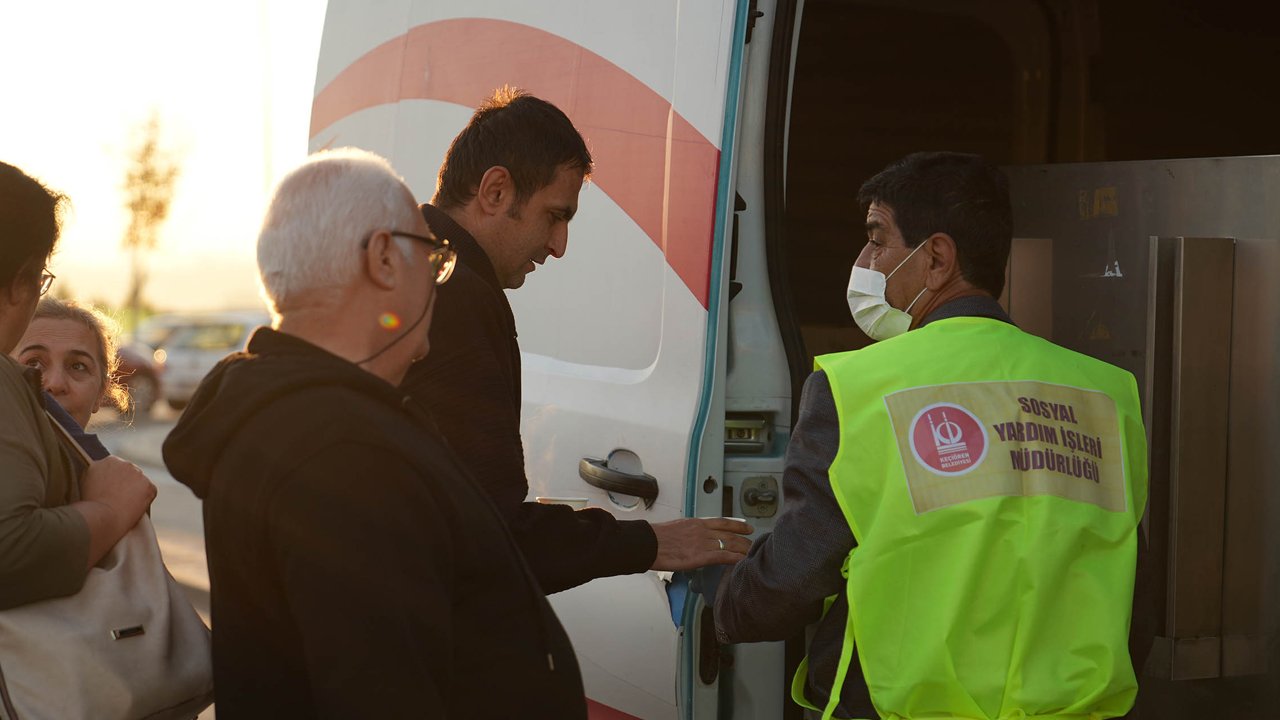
[356,570]
[470,381]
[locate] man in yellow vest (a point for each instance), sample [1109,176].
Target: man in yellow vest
[961,498]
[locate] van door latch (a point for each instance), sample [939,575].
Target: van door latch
[760,496]
[747,434]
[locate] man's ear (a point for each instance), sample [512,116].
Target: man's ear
[943,260]
[497,190]
[381,258]
[18,291]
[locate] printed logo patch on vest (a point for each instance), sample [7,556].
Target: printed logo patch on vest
[947,439]
[971,441]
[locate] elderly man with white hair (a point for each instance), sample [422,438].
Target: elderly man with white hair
[356,570]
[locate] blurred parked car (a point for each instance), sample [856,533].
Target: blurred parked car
[139,372]
[155,330]
[193,347]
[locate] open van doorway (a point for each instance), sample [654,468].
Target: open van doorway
[857,84]
[875,81]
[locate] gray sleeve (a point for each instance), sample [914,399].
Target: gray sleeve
[778,589]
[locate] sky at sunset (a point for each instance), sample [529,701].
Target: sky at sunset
[231,83]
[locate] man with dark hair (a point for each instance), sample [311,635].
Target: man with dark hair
[962,498]
[508,188]
[58,518]
[30,213]
[528,136]
[962,193]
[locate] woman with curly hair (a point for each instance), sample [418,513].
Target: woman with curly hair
[74,346]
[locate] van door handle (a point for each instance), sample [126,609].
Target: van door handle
[597,473]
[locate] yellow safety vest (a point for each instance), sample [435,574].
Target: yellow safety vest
[994,483]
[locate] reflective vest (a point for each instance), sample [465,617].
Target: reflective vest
[994,483]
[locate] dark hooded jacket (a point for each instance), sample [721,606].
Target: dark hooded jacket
[356,570]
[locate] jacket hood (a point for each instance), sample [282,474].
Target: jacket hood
[273,366]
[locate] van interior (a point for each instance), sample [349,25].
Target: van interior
[1023,82]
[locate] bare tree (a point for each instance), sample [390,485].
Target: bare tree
[148,189]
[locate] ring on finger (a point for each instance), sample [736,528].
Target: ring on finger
[721,541]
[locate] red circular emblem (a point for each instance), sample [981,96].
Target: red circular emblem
[948,439]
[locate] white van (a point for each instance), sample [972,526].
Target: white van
[708,261]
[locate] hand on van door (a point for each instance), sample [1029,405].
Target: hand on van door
[697,542]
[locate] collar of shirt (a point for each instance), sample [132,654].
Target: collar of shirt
[469,251]
[971,306]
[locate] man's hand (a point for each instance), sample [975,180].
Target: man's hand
[693,543]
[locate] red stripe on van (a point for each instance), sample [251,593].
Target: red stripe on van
[596,711]
[651,161]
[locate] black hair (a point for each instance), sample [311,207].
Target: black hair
[29,222]
[528,136]
[959,194]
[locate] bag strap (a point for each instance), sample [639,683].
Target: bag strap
[69,442]
[77,453]
[10,713]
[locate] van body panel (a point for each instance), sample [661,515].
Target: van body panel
[651,158]
[620,338]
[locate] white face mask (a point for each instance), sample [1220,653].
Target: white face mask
[877,318]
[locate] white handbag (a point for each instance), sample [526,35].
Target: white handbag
[129,645]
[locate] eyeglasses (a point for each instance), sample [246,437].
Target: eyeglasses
[46,281]
[442,256]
